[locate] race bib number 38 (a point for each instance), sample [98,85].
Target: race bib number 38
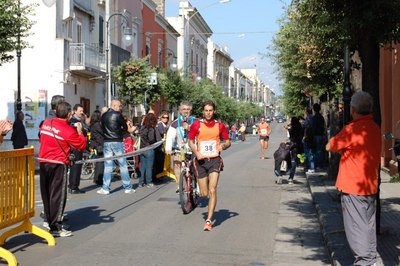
[209,148]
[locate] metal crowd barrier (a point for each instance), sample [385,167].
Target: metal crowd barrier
[17,198]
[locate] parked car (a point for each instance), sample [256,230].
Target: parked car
[268,119]
[280,119]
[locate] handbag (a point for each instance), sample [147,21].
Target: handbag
[283,166]
[136,146]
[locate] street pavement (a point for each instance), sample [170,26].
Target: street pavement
[256,222]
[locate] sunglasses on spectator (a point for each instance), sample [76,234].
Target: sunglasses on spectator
[165,117]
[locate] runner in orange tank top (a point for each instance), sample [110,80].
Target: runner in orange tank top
[208,163]
[264,129]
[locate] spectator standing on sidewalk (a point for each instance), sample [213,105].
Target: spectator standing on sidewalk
[159,152]
[18,136]
[147,137]
[97,142]
[113,124]
[57,138]
[359,144]
[318,126]
[242,131]
[233,133]
[76,170]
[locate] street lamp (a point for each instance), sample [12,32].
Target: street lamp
[19,103]
[185,36]
[49,3]
[172,66]
[198,78]
[127,40]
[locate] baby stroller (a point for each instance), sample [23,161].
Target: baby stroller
[129,143]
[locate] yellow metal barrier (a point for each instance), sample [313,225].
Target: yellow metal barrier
[17,198]
[167,170]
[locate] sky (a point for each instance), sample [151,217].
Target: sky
[257,19]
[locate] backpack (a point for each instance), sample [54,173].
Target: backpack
[283,154]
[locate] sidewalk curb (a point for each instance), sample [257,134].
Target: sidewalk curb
[329,212]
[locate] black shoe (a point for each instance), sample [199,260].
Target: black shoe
[76,191]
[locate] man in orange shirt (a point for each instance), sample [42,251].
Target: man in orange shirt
[264,129]
[359,144]
[208,163]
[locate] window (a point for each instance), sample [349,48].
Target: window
[101,33]
[79,31]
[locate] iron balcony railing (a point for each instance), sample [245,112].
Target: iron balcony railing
[86,57]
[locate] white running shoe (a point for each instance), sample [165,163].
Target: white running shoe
[61,233]
[103,192]
[130,191]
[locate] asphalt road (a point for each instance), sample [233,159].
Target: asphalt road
[149,228]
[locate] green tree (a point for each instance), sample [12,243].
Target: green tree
[14,21]
[132,78]
[171,87]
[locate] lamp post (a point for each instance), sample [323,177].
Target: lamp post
[185,35]
[198,78]
[128,40]
[172,66]
[19,103]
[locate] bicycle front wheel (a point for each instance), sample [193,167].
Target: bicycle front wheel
[184,193]
[87,171]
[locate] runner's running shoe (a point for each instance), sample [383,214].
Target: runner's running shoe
[208,225]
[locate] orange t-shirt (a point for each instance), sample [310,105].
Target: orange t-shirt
[361,144]
[263,129]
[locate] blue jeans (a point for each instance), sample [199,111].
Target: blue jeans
[233,136]
[318,154]
[146,166]
[291,171]
[111,149]
[309,156]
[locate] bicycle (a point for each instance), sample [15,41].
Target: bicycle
[88,167]
[188,187]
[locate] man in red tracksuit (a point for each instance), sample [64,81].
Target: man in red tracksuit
[56,139]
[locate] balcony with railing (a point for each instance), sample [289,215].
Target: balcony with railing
[87,59]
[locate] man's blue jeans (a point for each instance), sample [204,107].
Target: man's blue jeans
[291,171]
[309,156]
[111,149]
[146,166]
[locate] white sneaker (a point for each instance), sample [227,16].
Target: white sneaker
[310,172]
[61,233]
[290,182]
[103,192]
[46,225]
[130,191]
[279,181]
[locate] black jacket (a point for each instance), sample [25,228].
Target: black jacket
[283,153]
[147,136]
[18,135]
[113,124]
[97,136]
